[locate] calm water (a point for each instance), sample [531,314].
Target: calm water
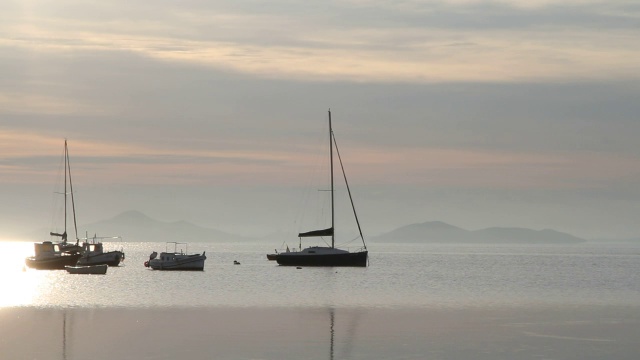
[399,276]
[454,302]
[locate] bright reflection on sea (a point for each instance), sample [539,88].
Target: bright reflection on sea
[409,275]
[19,287]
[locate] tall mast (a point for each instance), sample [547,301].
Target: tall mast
[73,203]
[331,161]
[66,159]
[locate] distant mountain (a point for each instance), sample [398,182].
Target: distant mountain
[136,226]
[440,232]
[431,230]
[522,235]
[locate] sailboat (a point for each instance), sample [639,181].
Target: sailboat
[326,255]
[56,255]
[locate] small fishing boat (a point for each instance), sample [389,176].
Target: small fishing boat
[274,255]
[91,269]
[94,254]
[176,260]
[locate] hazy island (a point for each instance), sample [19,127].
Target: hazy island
[136,226]
[440,232]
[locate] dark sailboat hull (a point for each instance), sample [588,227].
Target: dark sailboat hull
[54,263]
[348,259]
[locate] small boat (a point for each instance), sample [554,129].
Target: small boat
[273,256]
[326,255]
[176,260]
[91,269]
[94,254]
[56,255]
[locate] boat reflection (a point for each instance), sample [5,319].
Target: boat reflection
[333,332]
[64,335]
[347,334]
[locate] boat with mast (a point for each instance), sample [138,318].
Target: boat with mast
[326,255]
[51,255]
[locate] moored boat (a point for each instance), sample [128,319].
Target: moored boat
[322,256]
[326,255]
[91,269]
[176,260]
[94,254]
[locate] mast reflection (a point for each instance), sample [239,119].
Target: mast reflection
[332,312]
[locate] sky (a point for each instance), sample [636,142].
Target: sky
[477,113]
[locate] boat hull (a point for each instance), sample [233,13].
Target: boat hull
[111,258]
[89,270]
[190,263]
[52,263]
[356,259]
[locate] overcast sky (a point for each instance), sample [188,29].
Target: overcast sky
[473,112]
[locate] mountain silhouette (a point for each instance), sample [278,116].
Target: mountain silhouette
[440,232]
[136,226]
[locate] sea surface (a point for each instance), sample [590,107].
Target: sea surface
[431,301]
[399,275]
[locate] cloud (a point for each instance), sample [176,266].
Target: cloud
[474,103]
[25,154]
[45,104]
[407,48]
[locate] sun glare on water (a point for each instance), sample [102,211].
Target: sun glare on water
[18,285]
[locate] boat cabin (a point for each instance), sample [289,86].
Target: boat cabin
[168,256]
[323,250]
[46,249]
[97,247]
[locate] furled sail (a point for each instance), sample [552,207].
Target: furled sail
[324,232]
[63,235]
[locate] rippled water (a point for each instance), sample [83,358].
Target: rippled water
[442,276]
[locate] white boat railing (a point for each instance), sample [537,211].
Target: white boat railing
[175,247]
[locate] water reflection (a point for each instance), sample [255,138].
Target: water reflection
[64,335]
[576,274]
[19,286]
[332,312]
[344,332]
